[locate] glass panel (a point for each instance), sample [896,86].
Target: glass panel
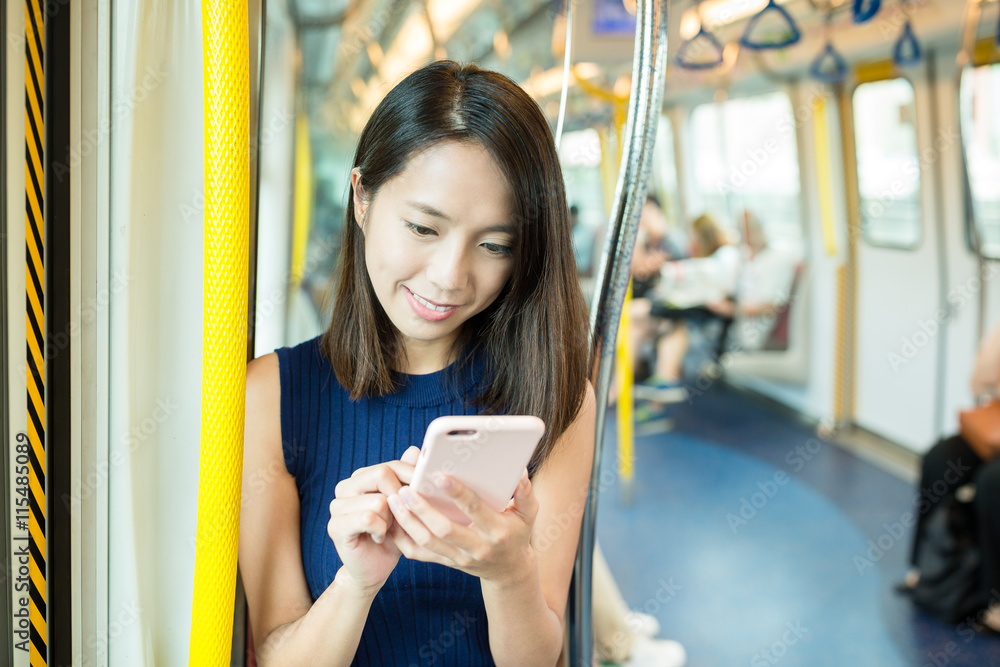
[664,184]
[981,129]
[746,159]
[580,157]
[888,165]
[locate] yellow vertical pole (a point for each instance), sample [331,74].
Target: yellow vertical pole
[227,211]
[624,377]
[303,199]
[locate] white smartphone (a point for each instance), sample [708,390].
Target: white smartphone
[487,453]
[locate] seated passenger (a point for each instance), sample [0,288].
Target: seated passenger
[685,290]
[764,287]
[456,250]
[952,464]
[651,248]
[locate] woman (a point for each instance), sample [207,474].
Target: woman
[457,294]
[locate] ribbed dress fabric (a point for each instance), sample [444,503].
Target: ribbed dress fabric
[426,614]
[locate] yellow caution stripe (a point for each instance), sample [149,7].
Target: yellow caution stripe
[34,221]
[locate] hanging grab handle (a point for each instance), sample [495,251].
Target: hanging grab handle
[791,35]
[907,50]
[864,10]
[829,66]
[690,49]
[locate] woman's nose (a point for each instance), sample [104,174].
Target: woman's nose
[449,268]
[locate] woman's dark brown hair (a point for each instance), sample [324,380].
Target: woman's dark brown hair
[534,336]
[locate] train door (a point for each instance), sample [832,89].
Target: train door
[897,325]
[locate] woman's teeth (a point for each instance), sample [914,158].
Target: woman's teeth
[428,304]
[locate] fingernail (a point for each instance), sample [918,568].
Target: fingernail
[408,496]
[378,539]
[442,482]
[394,503]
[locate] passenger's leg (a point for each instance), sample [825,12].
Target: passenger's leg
[949,464]
[611,634]
[988,520]
[670,353]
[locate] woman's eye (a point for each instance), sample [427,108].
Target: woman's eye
[498,249]
[419,230]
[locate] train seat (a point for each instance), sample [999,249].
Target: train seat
[784,357]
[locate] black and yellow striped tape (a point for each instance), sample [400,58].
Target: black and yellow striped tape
[34,188]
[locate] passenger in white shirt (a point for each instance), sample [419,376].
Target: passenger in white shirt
[763,289]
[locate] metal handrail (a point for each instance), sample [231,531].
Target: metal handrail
[649,65]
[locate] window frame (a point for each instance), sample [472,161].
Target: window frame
[865,232]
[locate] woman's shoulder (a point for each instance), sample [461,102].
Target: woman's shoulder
[308,353]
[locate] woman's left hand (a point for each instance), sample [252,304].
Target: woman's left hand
[494,547]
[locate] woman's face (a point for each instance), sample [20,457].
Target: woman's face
[438,246]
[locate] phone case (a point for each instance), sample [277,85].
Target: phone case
[486,453]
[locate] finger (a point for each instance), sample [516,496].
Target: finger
[386,478]
[414,551]
[349,528]
[410,456]
[368,502]
[425,525]
[467,500]
[525,502]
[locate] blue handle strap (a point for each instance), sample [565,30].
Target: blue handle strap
[835,72]
[793,29]
[907,50]
[703,36]
[865,9]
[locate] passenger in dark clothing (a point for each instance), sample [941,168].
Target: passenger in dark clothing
[950,465]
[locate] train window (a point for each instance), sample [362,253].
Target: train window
[664,184]
[981,129]
[746,159]
[888,164]
[580,156]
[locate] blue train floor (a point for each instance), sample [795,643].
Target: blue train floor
[756,543]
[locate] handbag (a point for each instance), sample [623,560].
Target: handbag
[980,427]
[950,563]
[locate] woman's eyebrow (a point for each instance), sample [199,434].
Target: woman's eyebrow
[428,209]
[435,213]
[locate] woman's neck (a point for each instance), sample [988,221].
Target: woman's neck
[424,357]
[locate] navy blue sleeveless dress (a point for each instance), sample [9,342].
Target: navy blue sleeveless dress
[426,614]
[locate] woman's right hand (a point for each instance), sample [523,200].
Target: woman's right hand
[360,520]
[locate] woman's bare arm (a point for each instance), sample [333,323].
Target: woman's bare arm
[526,612]
[288,628]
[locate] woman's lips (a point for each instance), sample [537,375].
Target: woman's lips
[427,309]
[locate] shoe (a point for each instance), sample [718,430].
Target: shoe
[642,625]
[909,582]
[649,652]
[646,412]
[660,390]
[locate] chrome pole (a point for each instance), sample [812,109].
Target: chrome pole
[649,64]
[567,60]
